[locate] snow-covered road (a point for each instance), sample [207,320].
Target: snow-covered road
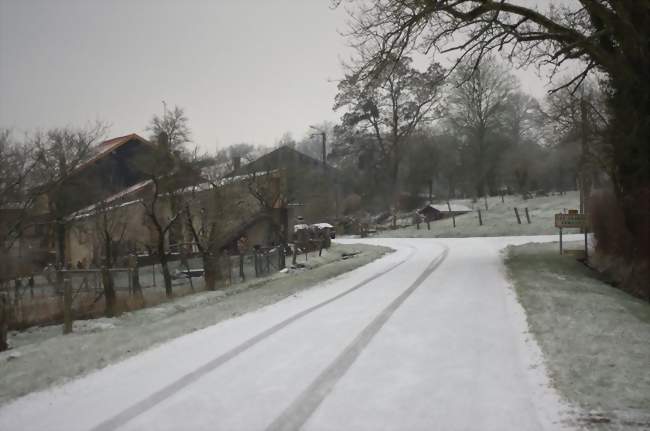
[428,337]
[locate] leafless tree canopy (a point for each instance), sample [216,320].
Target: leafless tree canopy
[389,106]
[175,124]
[607,34]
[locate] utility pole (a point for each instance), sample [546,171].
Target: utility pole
[324,148]
[324,137]
[334,177]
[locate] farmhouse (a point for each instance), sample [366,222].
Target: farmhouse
[112,187]
[308,188]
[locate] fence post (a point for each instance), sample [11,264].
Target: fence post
[517,214]
[229,269]
[428,224]
[268,262]
[17,285]
[295,254]
[4,321]
[241,267]
[59,281]
[135,275]
[480,219]
[67,306]
[256,264]
[527,215]
[453,217]
[281,261]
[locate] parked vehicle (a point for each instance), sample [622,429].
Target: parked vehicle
[325,226]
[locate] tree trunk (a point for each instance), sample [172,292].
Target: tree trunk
[4,320]
[394,187]
[109,292]
[135,276]
[211,271]
[67,307]
[164,265]
[167,277]
[60,243]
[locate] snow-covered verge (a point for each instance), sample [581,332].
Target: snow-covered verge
[595,338]
[41,356]
[498,220]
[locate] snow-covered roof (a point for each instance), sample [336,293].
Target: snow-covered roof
[111,145]
[298,227]
[112,202]
[323,226]
[454,207]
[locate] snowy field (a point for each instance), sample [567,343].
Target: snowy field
[498,220]
[42,356]
[428,337]
[596,339]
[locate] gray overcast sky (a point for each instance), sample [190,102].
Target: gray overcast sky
[245,71]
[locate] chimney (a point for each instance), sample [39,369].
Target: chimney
[236,162]
[163,141]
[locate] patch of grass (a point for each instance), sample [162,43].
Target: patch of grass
[498,220]
[595,338]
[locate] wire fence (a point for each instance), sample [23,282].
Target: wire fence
[38,298]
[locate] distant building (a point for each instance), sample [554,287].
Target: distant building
[309,188]
[440,211]
[113,183]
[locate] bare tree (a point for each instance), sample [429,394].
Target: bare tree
[227,159]
[57,154]
[16,164]
[389,106]
[267,188]
[523,118]
[175,124]
[207,208]
[580,118]
[106,223]
[170,176]
[476,108]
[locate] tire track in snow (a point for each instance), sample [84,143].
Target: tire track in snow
[302,408]
[159,396]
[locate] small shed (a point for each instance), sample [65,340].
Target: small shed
[440,211]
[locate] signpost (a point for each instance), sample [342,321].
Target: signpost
[572,220]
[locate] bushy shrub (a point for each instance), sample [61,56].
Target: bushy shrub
[623,244]
[607,222]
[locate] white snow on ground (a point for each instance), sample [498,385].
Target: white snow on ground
[452,356]
[498,220]
[596,338]
[47,356]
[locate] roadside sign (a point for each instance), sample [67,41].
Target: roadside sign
[571,220]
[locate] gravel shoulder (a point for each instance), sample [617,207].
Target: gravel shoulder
[595,338]
[41,357]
